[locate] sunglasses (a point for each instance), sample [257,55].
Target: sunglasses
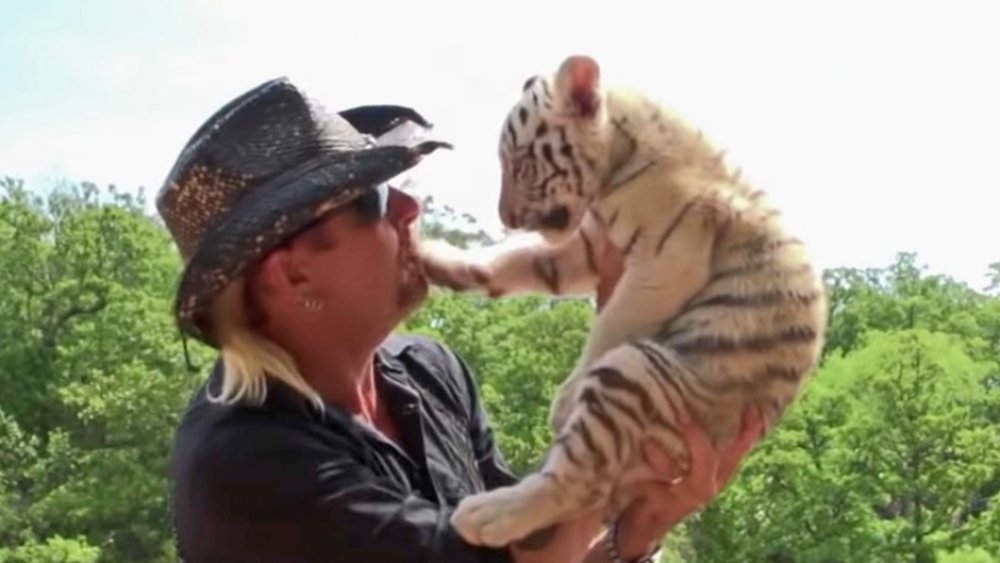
[373,204]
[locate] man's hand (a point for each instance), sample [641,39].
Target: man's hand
[660,505]
[571,543]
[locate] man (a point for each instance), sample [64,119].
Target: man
[320,435]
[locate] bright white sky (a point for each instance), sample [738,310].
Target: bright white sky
[875,124]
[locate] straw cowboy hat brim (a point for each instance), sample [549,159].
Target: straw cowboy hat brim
[262,168]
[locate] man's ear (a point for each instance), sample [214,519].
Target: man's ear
[280,275]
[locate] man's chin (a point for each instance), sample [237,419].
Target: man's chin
[414,285]
[413,290]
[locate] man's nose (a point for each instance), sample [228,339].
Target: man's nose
[403,208]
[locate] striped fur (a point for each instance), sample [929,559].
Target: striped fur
[719,307]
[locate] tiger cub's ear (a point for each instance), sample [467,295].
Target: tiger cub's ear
[578,85]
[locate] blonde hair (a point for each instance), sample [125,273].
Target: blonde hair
[249,358]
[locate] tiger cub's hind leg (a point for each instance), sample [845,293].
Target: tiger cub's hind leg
[617,405]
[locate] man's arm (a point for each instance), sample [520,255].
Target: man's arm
[263,492]
[271,495]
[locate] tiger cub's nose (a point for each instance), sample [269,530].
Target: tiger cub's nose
[557,219]
[508,218]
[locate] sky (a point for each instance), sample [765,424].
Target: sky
[875,125]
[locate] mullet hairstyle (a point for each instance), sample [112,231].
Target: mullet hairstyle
[248,357]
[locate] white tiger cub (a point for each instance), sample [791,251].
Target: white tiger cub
[718,307]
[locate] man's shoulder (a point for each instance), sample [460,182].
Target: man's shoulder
[215,435]
[399,343]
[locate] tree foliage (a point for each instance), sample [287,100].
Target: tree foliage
[93,375]
[891,454]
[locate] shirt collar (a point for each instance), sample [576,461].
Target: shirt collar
[280,396]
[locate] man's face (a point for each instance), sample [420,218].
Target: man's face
[362,263]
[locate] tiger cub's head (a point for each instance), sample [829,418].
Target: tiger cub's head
[553,150]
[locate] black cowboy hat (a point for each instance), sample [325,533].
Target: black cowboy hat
[262,168]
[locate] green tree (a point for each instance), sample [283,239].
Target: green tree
[889,455]
[993,278]
[520,350]
[93,363]
[900,296]
[821,486]
[56,549]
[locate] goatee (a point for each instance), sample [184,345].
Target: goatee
[413,284]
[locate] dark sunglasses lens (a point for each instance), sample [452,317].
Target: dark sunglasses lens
[373,204]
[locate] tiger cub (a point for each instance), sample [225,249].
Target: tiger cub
[718,307]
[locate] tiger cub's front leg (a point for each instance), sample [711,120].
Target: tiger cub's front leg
[568,268]
[513,268]
[618,403]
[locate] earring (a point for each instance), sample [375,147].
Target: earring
[312,305]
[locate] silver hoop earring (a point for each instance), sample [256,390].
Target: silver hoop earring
[312,305]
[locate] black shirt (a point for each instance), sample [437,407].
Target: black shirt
[282,482]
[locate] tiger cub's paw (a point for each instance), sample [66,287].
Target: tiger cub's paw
[507,514]
[448,267]
[457,276]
